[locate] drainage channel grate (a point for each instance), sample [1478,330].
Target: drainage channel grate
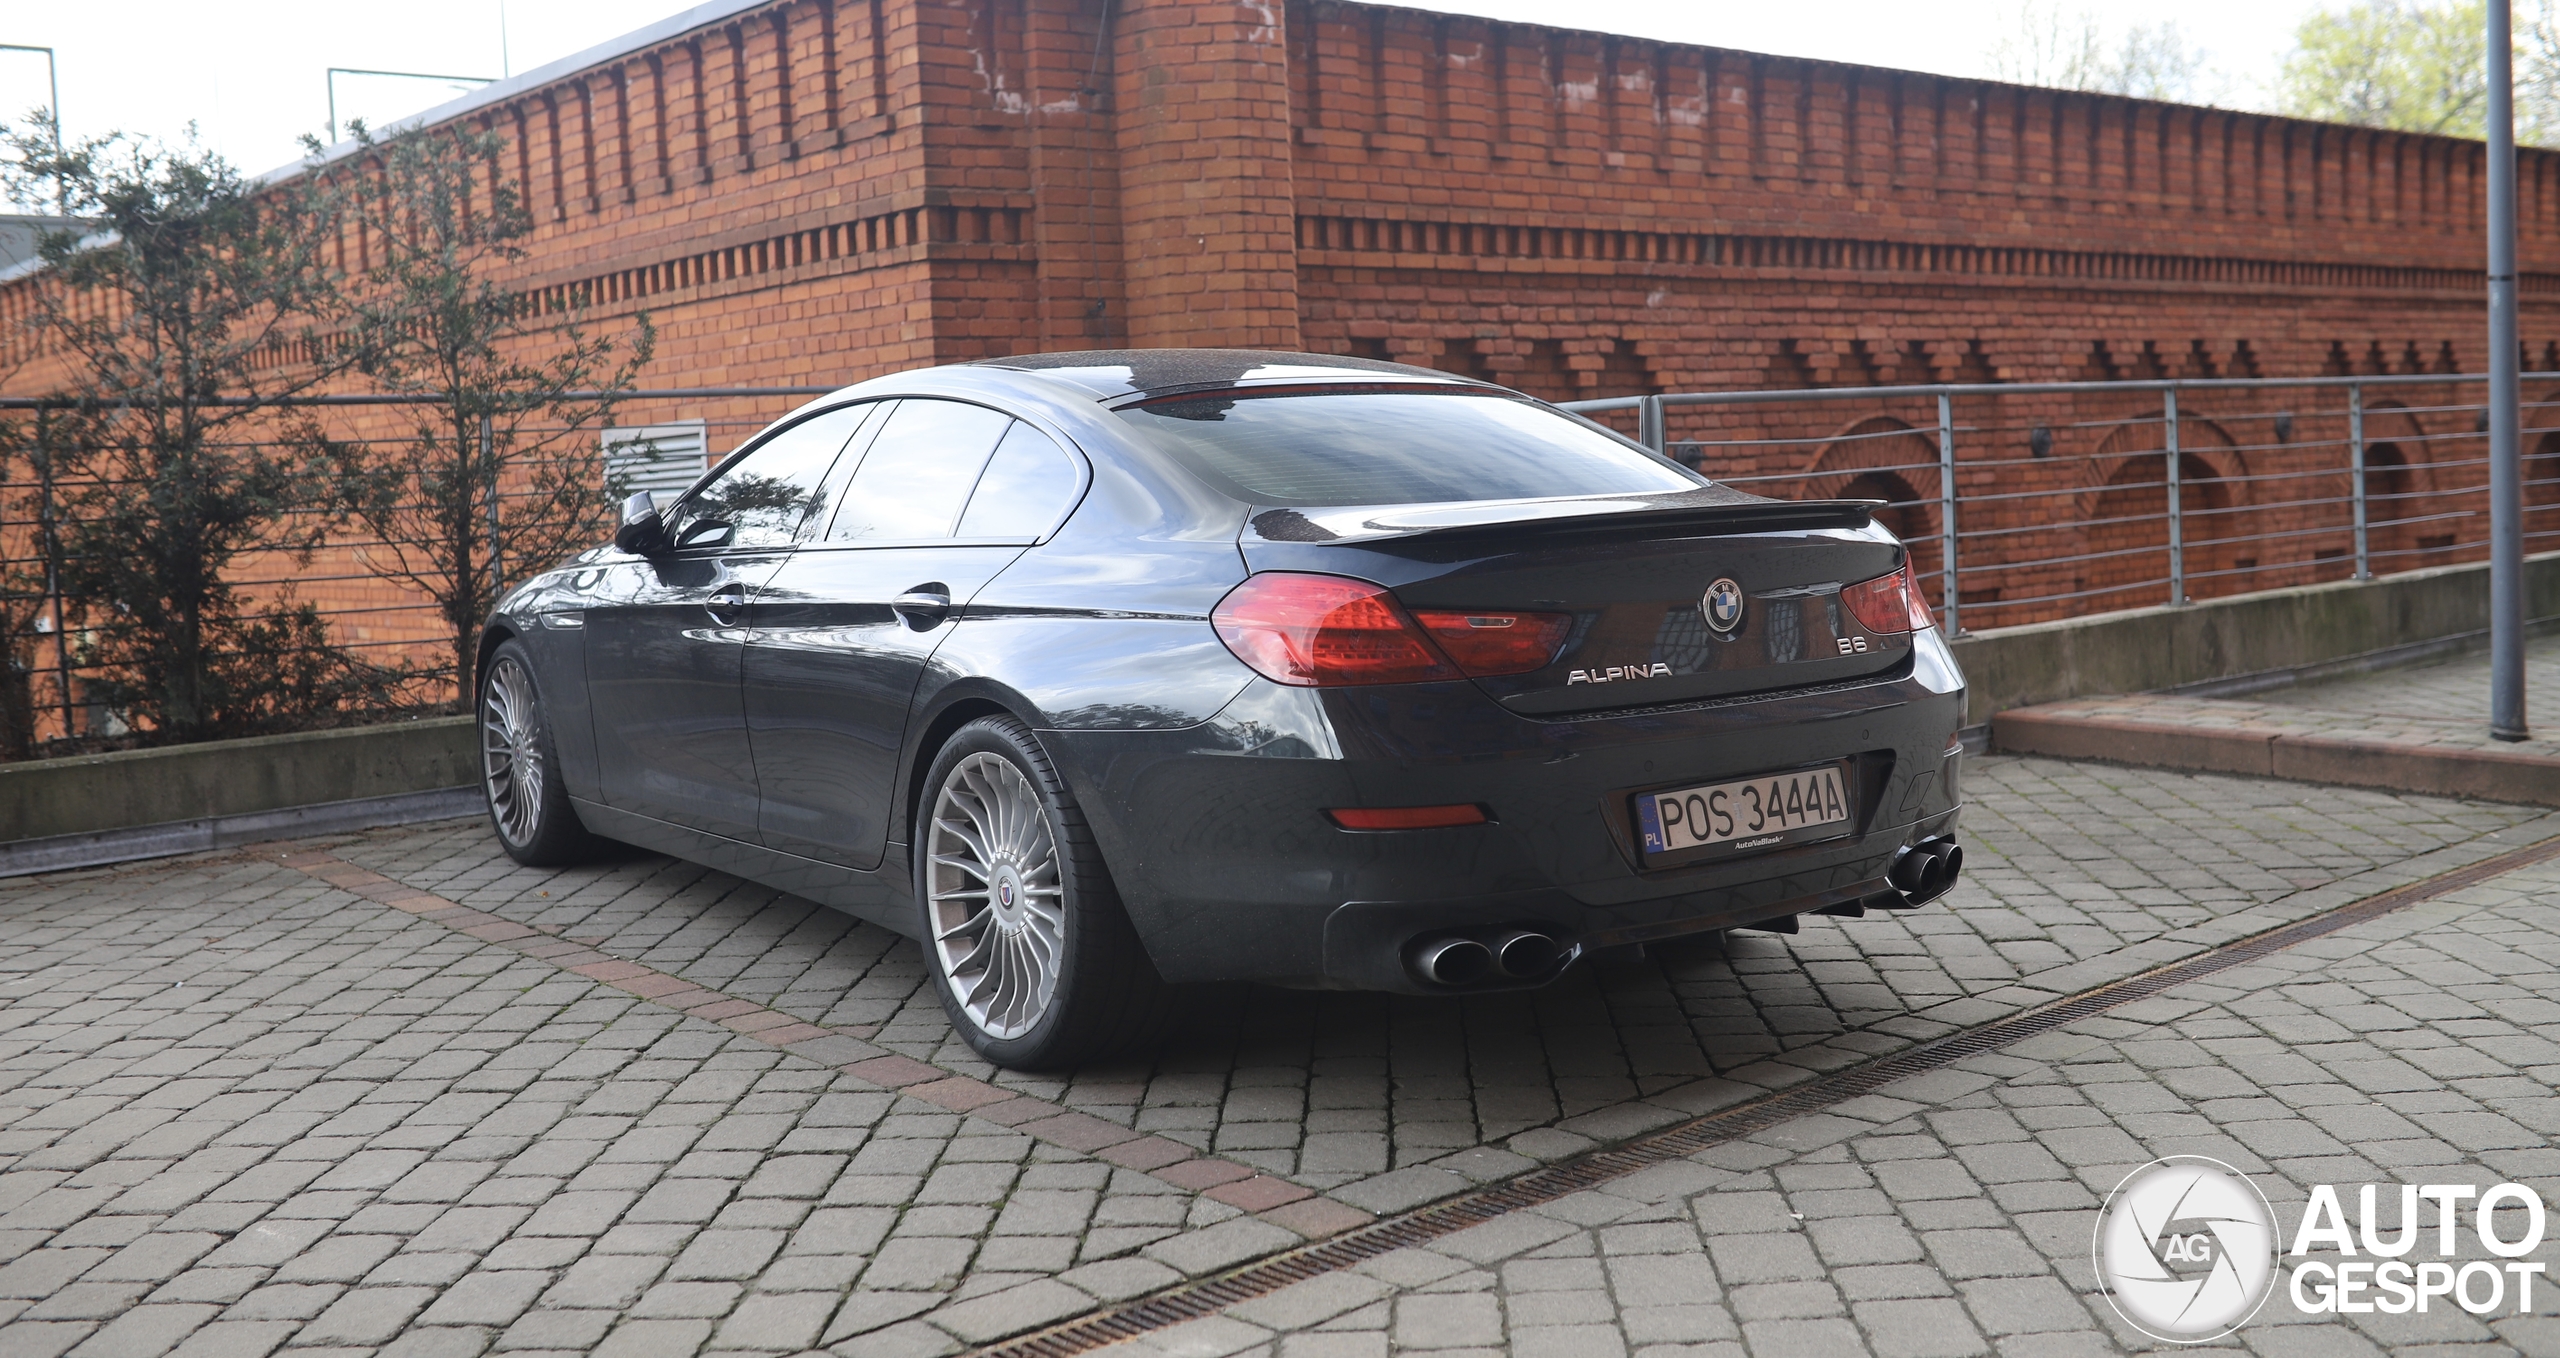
[1194,1301]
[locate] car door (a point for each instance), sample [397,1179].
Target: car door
[843,632]
[665,638]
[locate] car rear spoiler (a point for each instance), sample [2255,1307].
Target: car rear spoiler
[1682,515]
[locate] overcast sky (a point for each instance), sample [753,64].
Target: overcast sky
[252,76]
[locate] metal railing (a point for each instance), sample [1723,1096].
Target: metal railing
[2021,502]
[2029,501]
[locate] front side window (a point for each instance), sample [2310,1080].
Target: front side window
[918,472]
[761,500]
[1393,448]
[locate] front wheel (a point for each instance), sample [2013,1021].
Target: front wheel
[520,769]
[1035,959]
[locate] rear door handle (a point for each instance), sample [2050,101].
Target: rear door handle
[727,604]
[923,607]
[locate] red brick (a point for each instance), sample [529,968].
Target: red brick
[1260,1193]
[1147,1152]
[960,1094]
[1204,1173]
[894,1072]
[1078,1131]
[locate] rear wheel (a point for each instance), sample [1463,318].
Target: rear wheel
[1027,941]
[520,769]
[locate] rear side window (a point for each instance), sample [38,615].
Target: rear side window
[1383,448]
[918,473]
[1028,484]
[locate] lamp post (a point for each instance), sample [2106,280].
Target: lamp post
[2506,478]
[336,71]
[53,101]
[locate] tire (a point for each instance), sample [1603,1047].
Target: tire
[1023,889]
[520,769]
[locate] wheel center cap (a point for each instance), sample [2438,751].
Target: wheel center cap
[1008,894]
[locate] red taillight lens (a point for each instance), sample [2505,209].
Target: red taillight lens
[1887,603]
[1921,620]
[1407,817]
[1486,644]
[1322,630]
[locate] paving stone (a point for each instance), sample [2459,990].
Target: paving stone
[417,1121]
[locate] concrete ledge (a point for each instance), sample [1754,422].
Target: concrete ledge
[2063,735]
[60,853]
[2267,636]
[2274,752]
[184,784]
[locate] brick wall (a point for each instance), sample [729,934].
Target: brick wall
[825,190]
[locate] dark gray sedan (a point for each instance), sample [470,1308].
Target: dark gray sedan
[1097,672]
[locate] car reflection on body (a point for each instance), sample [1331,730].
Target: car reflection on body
[1103,672]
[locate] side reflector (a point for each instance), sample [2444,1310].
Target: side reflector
[1407,817]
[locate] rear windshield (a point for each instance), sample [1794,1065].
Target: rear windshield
[1394,448]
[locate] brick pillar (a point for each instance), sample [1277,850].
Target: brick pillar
[1201,89]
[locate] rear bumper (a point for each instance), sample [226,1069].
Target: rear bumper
[1217,839]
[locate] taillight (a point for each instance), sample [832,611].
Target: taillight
[1488,644]
[1888,603]
[1323,630]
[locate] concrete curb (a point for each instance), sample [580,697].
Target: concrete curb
[46,799]
[2274,752]
[2244,642]
[61,853]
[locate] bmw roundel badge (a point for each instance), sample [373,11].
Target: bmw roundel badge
[1722,606]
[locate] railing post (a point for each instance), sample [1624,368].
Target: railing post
[2177,526]
[51,545]
[1649,425]
[1947,506]
[2355,462]
[497,550]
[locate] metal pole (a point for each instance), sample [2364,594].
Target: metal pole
[53,96]
[2506,478]
[52,546]
[2355,494]
[497,549]
[1947,506]
[2177,526]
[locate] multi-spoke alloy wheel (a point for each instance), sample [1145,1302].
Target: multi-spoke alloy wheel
[520,770]
[998,911]
[1035,959]
[511,751]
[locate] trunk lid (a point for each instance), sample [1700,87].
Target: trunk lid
[1633,572]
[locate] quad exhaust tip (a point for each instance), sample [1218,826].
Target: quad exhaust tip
[1490,956]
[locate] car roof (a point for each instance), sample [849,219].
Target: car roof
[1114,373]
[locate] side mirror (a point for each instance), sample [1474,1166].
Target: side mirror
[642,533]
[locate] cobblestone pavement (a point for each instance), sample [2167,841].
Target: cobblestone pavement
[1953,1213]
[394,1091]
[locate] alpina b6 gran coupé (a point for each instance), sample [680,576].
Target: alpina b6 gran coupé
[1099,672]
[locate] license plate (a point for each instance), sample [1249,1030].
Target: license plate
[1752,813]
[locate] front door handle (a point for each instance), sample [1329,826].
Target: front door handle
[727,604]
[923,607]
